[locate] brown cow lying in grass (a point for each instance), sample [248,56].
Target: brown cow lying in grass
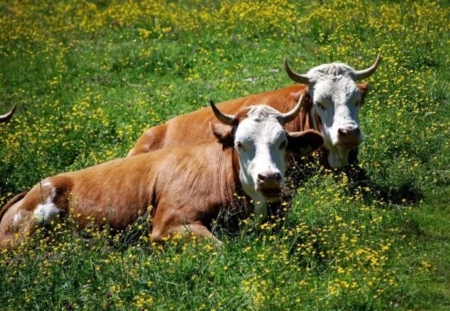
[186,186]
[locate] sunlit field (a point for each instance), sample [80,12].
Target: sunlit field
[90,76]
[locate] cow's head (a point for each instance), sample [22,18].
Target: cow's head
[335,102]
[8,116]
[257,134]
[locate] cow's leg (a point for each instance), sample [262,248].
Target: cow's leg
[199,231]
[186,231]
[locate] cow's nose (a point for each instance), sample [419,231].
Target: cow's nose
[349,131]
[269,176]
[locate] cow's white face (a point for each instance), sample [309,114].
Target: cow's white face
[337,100]
[260,142]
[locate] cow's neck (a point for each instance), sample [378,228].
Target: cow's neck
[237,207]
[306,119]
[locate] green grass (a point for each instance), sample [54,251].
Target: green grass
[90,77]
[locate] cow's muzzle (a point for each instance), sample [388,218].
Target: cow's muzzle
[349,131]
[269,184]
[349,136]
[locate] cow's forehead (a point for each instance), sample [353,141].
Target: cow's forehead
[331,70]
[260,122]
[262,112]
[259,130]
[339,89]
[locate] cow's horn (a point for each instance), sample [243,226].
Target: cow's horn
[8,116]
[224,118]
[291,115]
[300,78]
[361,74]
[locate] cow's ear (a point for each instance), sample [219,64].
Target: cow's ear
[296,95]
[364,89]
[304,143]
[224,133]
[307,102]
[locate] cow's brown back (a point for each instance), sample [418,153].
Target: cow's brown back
[194,126]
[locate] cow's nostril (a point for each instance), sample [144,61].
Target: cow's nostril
[351,131]
[262,177]
[269,176]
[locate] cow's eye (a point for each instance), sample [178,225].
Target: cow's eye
[283,145]
[357,103]
[321,106]
[239,145]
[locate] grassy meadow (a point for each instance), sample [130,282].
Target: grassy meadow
[90,76]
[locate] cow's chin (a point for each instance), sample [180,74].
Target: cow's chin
[343,143]
[348,145]
[338,157]
[271,194]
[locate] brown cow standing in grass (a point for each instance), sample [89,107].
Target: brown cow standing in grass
[6,117]
[332,103]
[185,186]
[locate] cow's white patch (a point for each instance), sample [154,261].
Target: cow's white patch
[17,217]
[47,212]
[47,184]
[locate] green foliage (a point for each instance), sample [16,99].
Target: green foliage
[90,76]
